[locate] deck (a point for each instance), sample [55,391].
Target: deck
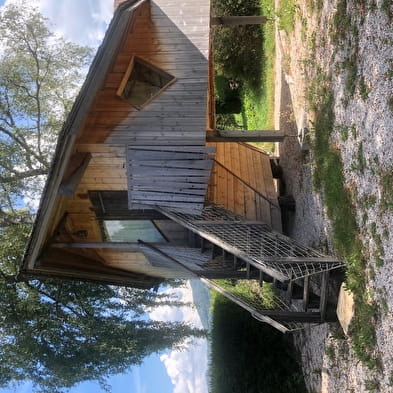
[242,182]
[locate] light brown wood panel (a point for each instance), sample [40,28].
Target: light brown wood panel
[246,184]
[84,222]
[230,178]
[176,44]
[238,191]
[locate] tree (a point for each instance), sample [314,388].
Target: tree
[39,77]
[55,333]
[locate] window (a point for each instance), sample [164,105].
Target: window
[132,231]
[142,82]
[113,205]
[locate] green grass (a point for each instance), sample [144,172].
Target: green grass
[248,356]
[386,184]
[250,291]
[258,104]
[256,76]
[341,22]
[329,179]
[287,15]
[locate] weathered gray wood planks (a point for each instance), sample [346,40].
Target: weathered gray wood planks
[180,181]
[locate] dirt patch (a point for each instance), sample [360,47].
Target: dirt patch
[363,134]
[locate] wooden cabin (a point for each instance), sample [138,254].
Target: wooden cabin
[138,190]
[136,139]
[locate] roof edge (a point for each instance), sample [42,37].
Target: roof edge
[66,139]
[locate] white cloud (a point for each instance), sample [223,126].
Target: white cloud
[82,22]
[187,369]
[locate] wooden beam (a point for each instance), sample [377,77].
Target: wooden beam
[238,20]
[74,173]
[245,136]
[129,246]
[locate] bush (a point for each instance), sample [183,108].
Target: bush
[237,49]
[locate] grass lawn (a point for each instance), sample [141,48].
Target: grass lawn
[258,104]
[258,101]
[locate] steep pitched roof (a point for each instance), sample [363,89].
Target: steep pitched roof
[68,134]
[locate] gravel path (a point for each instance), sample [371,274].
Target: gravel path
[364,136]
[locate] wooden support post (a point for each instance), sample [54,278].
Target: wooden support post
[306,293]
[238,20]
[79,163]
[245,136]
[203,246]
[129,246]
[217,274]
[324,293]
[289,291]
[216,251]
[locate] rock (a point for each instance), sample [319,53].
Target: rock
[345,308]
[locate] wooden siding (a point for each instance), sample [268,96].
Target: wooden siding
[242,182]
[174,37]
[171,176]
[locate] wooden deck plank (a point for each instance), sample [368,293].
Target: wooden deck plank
[238,186]
[249,195]
[228,160]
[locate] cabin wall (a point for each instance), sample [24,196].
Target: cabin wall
[174,37]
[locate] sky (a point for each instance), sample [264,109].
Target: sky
[85,22]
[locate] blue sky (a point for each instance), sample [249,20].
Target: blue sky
[85,22]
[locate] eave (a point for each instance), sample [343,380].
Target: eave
[73,124]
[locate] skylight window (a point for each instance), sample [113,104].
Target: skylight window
[143,82]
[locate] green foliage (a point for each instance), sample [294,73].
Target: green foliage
[248,356]
[249,62]
[351,68]
[223,88]
[330,353]
[364,90]
[386,184]
[372,385]
[57,334]
[386,7]
[341,22]
[227,122]
[238,50]
[250,291]
[287,15]
[39,77]
[234,48]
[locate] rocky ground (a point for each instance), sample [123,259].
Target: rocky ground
[360,63]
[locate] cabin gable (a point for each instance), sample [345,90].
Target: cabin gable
[119,163]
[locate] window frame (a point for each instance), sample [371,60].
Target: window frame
[154,226]
[128,73]
[102,200]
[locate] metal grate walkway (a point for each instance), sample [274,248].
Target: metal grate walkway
[269,251]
